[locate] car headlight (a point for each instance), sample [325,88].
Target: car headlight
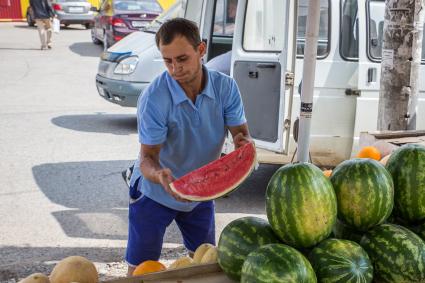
[126,66]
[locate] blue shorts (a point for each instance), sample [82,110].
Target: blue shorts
[148,221]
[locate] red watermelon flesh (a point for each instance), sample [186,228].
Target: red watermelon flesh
[218,177]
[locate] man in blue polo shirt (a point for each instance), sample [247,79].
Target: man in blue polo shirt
[183,117]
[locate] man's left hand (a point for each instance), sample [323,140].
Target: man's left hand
[240,139]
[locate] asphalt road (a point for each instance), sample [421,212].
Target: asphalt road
[62,152]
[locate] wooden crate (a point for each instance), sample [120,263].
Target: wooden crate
[205,273]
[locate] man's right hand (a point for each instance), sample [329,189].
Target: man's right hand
[165,177]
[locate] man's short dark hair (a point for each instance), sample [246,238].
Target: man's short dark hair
[178,27]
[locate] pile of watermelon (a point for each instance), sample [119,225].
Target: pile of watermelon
[364,223]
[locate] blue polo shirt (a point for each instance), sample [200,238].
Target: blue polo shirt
[191,135]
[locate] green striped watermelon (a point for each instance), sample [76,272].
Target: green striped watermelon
[365,193]
[301,205]
[398,254]
[238,239]
[337,260]
[407,167]
[276,263]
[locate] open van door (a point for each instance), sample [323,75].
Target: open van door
[369,25]
[260,61]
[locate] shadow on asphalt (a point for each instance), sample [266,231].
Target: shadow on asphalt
[19,48]
[86,49]
[25,27]
[95,197]
[117,124]
[63,28]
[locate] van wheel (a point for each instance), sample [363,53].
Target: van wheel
[94,38]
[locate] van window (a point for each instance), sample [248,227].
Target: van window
[376,14]
[263,26]
[349,40]
[323,40]
[224,17]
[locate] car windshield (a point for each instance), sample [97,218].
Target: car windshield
[177,10]
[144,5]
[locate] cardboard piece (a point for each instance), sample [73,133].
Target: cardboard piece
[397,138]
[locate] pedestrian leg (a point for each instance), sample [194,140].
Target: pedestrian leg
[41,33]
[48,26]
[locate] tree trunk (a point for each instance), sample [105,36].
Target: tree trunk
[401,58]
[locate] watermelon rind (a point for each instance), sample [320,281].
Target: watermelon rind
[336,260]
[238,239]
[276,263]
[194,179]
[398,254]
[364,191]
[407,167]
[301,205]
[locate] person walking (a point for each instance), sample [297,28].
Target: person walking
[43,15]
[183,118]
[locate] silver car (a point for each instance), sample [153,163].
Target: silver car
[74,12]
[129,66]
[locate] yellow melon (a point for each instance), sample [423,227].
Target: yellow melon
[181,262]
[74,269]
[36,278]
[210,256]
[200,251]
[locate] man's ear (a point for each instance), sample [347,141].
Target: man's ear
[202,47]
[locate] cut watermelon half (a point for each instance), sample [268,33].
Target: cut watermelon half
[217,178]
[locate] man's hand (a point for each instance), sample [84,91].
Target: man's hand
[240,135]
[165,178]
[240,139]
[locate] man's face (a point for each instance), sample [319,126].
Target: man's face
[182,60]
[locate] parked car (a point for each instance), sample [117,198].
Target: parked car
[74,12]
[69,12]
[118,18]
[126,68]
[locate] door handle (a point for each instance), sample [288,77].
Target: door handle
[253,75]
[266,65]
[371,75]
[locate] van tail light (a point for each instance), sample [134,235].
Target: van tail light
[57,7]
[118,22]
[118,38]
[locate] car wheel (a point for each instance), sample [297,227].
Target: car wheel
[29,20]
[94,38]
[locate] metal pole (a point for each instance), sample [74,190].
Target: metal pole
[309,69]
